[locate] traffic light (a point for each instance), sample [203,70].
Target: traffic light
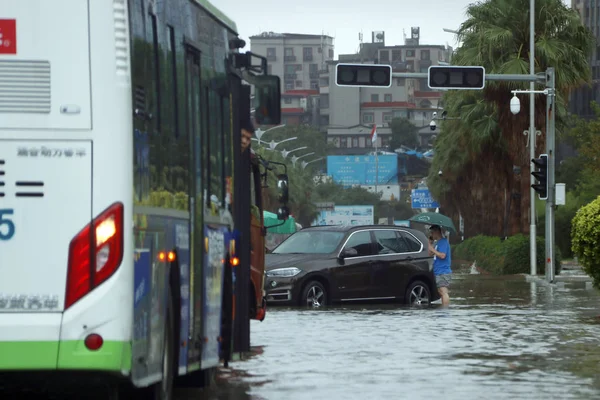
[456,77]
[372,75]
[541,175]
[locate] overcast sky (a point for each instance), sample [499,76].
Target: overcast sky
[345,19]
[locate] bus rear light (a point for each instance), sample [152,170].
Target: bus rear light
[95,254]
[166,256]
[93,342]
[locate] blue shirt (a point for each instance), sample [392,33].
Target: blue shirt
[441,267]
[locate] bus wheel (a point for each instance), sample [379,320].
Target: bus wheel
[164,389]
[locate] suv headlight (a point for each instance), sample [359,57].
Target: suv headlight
[284,272]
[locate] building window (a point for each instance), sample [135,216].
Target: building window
[354,142]
[387,98]
[384,56]
[344,143]
[374,98]
[400,81]
[290,69]
[287,100]
[387,117]
[289,51]
[410,53]
[298,83]
[396,55]
[289,85]
[307,53]
[331,53]
[271,53]
[400,114]
[425,55]
[314,84]
[368,118]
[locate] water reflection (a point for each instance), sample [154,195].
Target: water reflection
[501,338]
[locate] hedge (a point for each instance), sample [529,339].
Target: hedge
[585,237]
[510,256]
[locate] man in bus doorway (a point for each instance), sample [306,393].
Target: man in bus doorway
[442,259]
[247,133]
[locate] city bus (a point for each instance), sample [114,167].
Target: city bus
[124,223]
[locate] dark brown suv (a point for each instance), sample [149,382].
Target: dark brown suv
[328,264]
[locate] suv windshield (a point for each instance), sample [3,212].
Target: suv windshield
[310,242]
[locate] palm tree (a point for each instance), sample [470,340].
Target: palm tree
[487,143]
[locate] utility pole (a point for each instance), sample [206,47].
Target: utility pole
[550,145]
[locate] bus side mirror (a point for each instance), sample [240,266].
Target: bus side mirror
[283,188]
[267,97]
[283,213]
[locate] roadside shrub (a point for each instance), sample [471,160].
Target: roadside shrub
[563,222]
[585,237]
[504,257]
[516,256]
[486,250]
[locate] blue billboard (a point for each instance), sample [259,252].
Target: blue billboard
[421,198]
[360,170]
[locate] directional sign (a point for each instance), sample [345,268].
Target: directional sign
[421,198]
[325,206]
[360,170]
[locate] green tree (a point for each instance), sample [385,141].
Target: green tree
[477,154]
[586,236]
[580,175]
[404,133]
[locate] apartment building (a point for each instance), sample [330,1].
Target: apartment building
[300,106]
[579,104]
[296,58]
[347,114]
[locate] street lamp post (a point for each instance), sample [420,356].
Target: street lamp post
[286,153]
[532,136]
[550,93]
[273,144]
[304,163]
[295,159]
[259,132]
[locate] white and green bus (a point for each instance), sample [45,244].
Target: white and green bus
[119,144]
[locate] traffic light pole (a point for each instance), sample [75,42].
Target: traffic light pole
[548,78]
[550,145]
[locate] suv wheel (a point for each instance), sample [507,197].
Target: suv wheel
[418,294]
[314,295]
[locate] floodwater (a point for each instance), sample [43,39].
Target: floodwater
[502,338]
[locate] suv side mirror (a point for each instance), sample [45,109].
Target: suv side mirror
[267,95]
[349,252]
[283,188]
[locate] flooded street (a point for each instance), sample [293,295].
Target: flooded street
[502,338]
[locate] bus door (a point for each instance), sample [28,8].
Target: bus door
[193,117]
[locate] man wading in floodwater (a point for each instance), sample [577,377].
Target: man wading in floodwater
[442,259]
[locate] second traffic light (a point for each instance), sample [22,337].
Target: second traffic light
[541,175]
[455,77]
[372,75]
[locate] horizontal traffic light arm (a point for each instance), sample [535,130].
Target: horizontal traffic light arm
[488,77]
